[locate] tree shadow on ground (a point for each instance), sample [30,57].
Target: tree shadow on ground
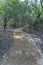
[37,37]
[6,41]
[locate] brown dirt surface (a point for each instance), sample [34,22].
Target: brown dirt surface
[20,47]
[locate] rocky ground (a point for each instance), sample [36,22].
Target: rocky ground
[19,48]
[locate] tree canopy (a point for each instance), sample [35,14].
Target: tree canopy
[22,12]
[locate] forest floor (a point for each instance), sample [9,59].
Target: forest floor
[20,48]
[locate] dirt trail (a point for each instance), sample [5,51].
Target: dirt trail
[24,50]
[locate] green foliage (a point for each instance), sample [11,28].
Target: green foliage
[21,13]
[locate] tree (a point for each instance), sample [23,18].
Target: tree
[39,11]
[27,12]
[5,22]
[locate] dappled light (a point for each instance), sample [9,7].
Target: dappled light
[18,36]
[21,32]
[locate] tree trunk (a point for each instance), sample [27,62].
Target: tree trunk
[5,22]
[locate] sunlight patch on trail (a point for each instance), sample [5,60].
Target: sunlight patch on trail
[18,36]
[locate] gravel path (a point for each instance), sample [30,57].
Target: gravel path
[24,50]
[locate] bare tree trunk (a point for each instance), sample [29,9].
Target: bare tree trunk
[5,22]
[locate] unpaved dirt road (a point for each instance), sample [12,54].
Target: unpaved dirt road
[24,50]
